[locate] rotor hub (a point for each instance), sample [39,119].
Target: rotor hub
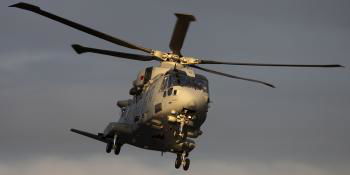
[171,57]
[166,56]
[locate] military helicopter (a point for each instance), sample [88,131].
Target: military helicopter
[169,102]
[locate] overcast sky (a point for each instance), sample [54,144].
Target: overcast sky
[301,127]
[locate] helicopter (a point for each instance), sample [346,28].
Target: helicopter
[169,102]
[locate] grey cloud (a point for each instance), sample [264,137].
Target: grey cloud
[45,89]
[101,165]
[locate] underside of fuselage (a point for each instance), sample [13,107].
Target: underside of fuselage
[159,133]
[164,140]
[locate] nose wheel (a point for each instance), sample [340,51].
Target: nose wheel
[182,159]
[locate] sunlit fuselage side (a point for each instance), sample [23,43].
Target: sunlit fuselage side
[170,93]
[181,92]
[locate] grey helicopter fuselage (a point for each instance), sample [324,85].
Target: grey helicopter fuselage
[161,95]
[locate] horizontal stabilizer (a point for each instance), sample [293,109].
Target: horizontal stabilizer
[98,137]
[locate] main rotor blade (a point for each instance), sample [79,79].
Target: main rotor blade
[179,33]
[80,27]
[81,49]
[232,76]
[275,65]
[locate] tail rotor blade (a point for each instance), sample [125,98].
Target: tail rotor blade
[179,33]
[37,10]
[81,49]
[232,76]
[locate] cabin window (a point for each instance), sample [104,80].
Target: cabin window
[170,91]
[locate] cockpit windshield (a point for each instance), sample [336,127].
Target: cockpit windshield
[181,79]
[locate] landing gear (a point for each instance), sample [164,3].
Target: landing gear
[178,162]
[182,159]
[117,149]
[183,120]
[115,145]
[186,164]
[109,147]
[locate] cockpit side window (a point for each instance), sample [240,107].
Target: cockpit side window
[173,80]
[148,74]
[164,83]
[184,80]
[181,79]
[201,83]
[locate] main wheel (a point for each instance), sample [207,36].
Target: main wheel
[186,164]
[178,162]
[117,149]
[109,147]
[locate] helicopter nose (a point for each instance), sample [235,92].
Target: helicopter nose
[192,99]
